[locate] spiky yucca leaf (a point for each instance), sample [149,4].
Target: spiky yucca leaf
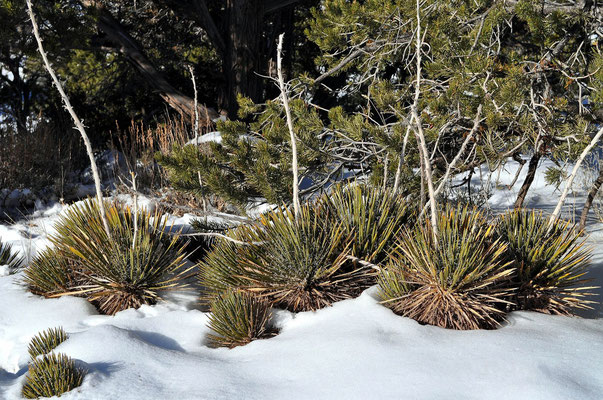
[238,318]
[129,268]
[298,264]
[454,283]
[51,273]
[9,257]
[550,263]
[373,215]
[52,375]
[46,341]
[125,270]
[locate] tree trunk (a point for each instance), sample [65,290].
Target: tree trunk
[243,60]
[591,197]
[132,50]
[570,180]
[523,191]
[78,123]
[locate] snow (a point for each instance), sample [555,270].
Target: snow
[356,349]
[216,137]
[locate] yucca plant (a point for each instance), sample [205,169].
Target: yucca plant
[130,268]
[298,263]
[238,318]
[9,257]
[455,282]
[52,273]
[550,262]
[52,375]
[373,215]
[46,341]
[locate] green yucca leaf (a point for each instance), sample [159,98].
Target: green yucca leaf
[454,283]
[52,375]
[125,270]
[373,215]
[238,318]
[52,273]
[298,264]
[44,342]
[9,257]
[550,262]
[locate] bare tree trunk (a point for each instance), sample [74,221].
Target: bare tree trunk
[196,108]
[591,198]
[401,160]
[76,120]
[532,167]
[569,182]
[459,155]
[135,191]
[420,134]
[294,166]
[243,56]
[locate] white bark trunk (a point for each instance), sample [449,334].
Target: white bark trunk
[420,134]
[570,180]
[458,156]
[294,166]
[76,120]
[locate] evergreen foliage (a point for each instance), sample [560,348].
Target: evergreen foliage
[46,341]
[514,60]
[128,269]
[52,375]
[454,283]
[297,264]
[252,160]
[238,318]
[549,263]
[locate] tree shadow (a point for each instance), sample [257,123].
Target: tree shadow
[158,340]
[104,368]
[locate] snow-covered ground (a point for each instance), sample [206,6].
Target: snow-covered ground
[356,349]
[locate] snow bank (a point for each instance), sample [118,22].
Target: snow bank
[356,349]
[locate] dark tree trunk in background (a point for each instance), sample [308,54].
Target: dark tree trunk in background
[243,33]
[19,105]
[523,191]
[131,49]
[243,58]
[591,197]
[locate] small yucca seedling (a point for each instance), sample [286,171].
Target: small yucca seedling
[9,257]
[298,264]
[550,262]
[455,283]
[238,318]
[52,375]
[374,217]
[46,341]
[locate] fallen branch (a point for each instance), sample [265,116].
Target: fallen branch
[365,263]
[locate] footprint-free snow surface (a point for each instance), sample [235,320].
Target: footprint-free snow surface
[356,349]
